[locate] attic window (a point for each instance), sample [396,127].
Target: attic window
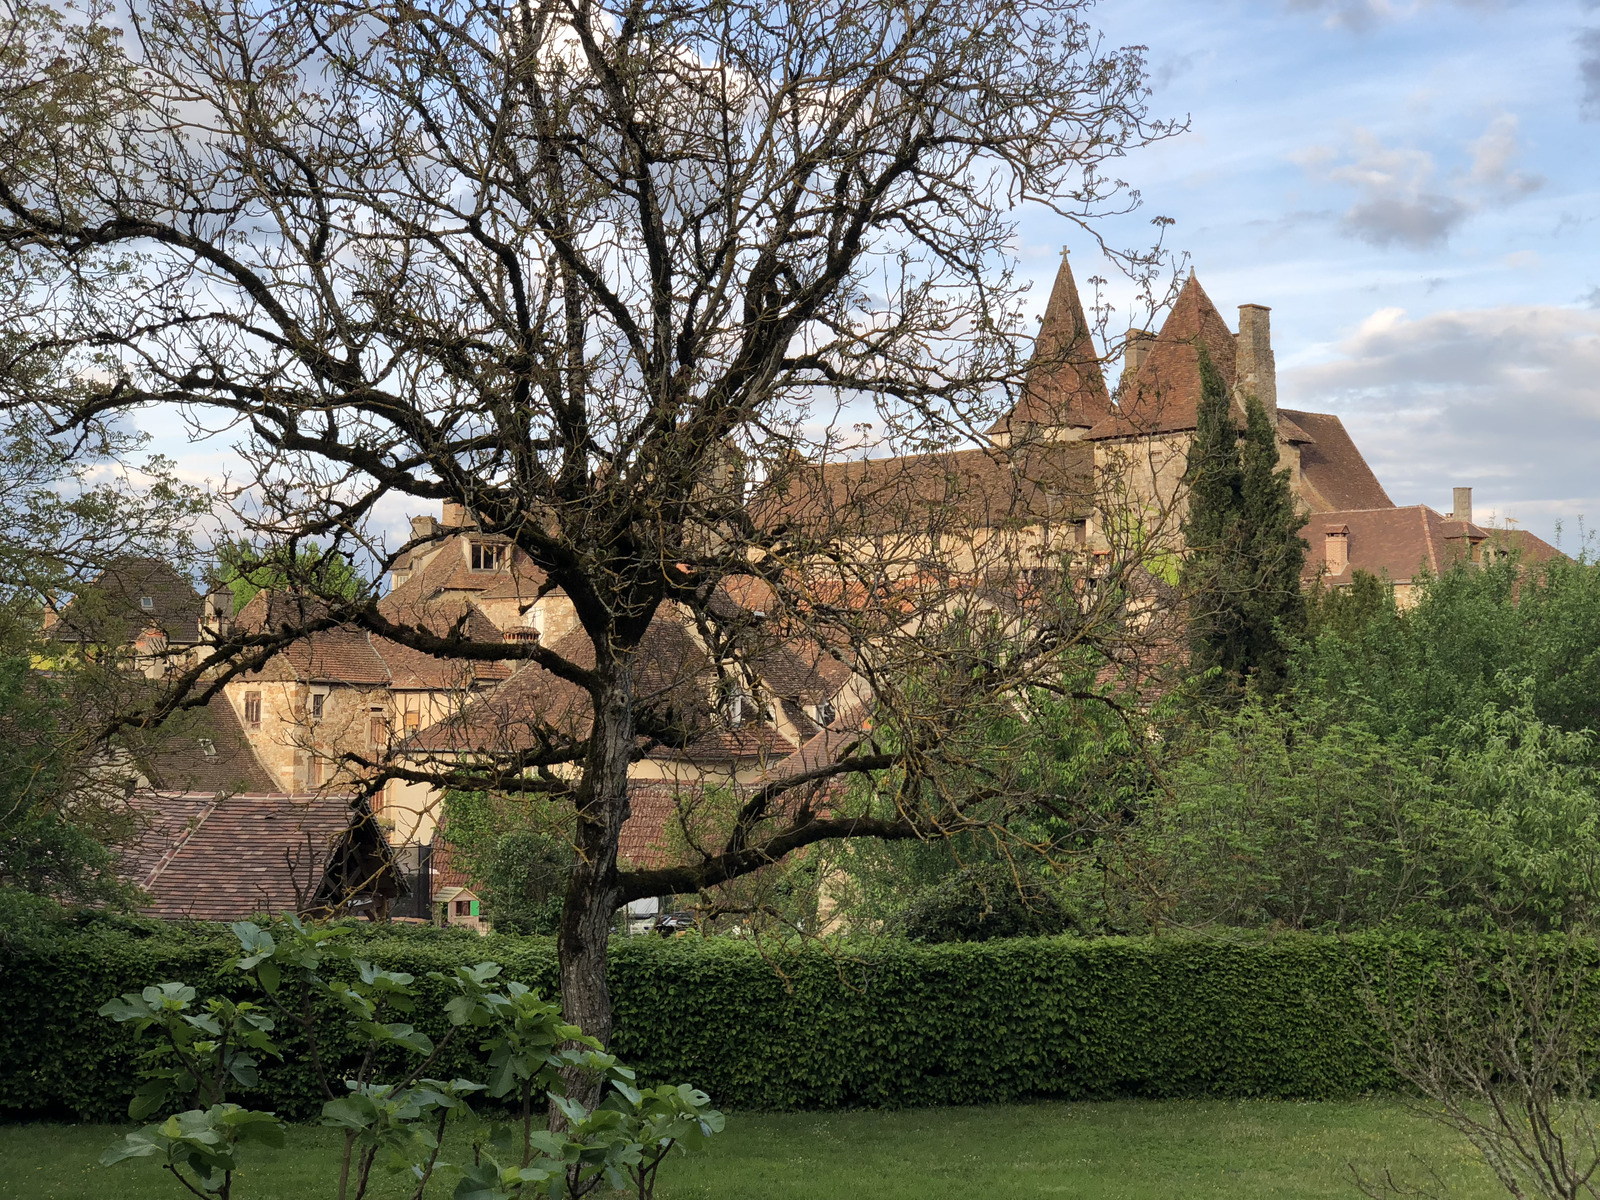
[146,603]
[208,747]
[318,700]
[488,556]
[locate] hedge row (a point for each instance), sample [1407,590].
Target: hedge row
[901,1025]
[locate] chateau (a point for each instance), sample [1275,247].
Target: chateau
[1074,466]
[1076,463]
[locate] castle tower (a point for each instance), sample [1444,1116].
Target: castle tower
[1064,392]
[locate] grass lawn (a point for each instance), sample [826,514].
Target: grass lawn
[1123,1150]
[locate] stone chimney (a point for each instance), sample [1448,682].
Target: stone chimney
[1135,350]
[1462,509]
[455,516]
[1256,374]
[1336,548]
[423,527]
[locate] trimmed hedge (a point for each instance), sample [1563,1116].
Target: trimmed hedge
[900,1025]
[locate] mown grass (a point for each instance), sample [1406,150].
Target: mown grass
[1122,1150]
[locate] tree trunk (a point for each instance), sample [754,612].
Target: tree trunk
[592,889]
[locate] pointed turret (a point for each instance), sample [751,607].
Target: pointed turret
[1064,391]
[1162,393]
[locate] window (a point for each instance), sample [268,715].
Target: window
[466,908]
[825,713]
[377,732]
[252,709]
[208,747]
[146,603]
[411,719]
[488,556]
[318,701]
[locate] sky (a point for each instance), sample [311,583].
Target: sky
[1413,187]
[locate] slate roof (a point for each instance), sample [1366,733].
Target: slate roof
[116,595]
[1064,386]
[209,858]
[1333,474]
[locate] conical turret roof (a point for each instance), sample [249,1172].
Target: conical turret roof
[1164,394]
[1064,387]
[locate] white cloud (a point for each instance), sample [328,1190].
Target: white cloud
[1492,157]
[1400,198]
[1503,399]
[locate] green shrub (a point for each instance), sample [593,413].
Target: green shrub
[897,1025]
[982,902]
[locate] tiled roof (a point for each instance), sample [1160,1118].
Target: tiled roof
[1164,395]
[672,675]
[1394,543]
[1064,386]
[218,859]
[117,595]
[449,570]
[655,807]
[349,655]
[931,493]
[211,755]
[1333,474]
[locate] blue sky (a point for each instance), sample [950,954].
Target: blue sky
[1414,189]
[1413,186]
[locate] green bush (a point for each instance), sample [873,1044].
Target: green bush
[898,1025]
[982,902]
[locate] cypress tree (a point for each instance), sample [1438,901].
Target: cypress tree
[1274,606]
[1242,573]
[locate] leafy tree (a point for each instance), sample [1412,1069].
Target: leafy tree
[1500,633]
[548,263]
[246,569]
[1242,575]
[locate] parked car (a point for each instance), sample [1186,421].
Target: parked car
[673,924]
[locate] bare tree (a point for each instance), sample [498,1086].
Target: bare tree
[593,271]
[1499,1048]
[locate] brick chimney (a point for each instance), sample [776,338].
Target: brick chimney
[1462,508]
[1256,373]
[1336,548]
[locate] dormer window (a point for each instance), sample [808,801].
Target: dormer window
[147,603]
[208,747]
[488,556]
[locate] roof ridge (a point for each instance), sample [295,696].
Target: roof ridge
[190,829]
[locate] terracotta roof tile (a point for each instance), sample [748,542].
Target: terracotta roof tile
[1164,395]
[210,859]
[929,493]
[1333,474]
[1393,543]
[1064,386]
